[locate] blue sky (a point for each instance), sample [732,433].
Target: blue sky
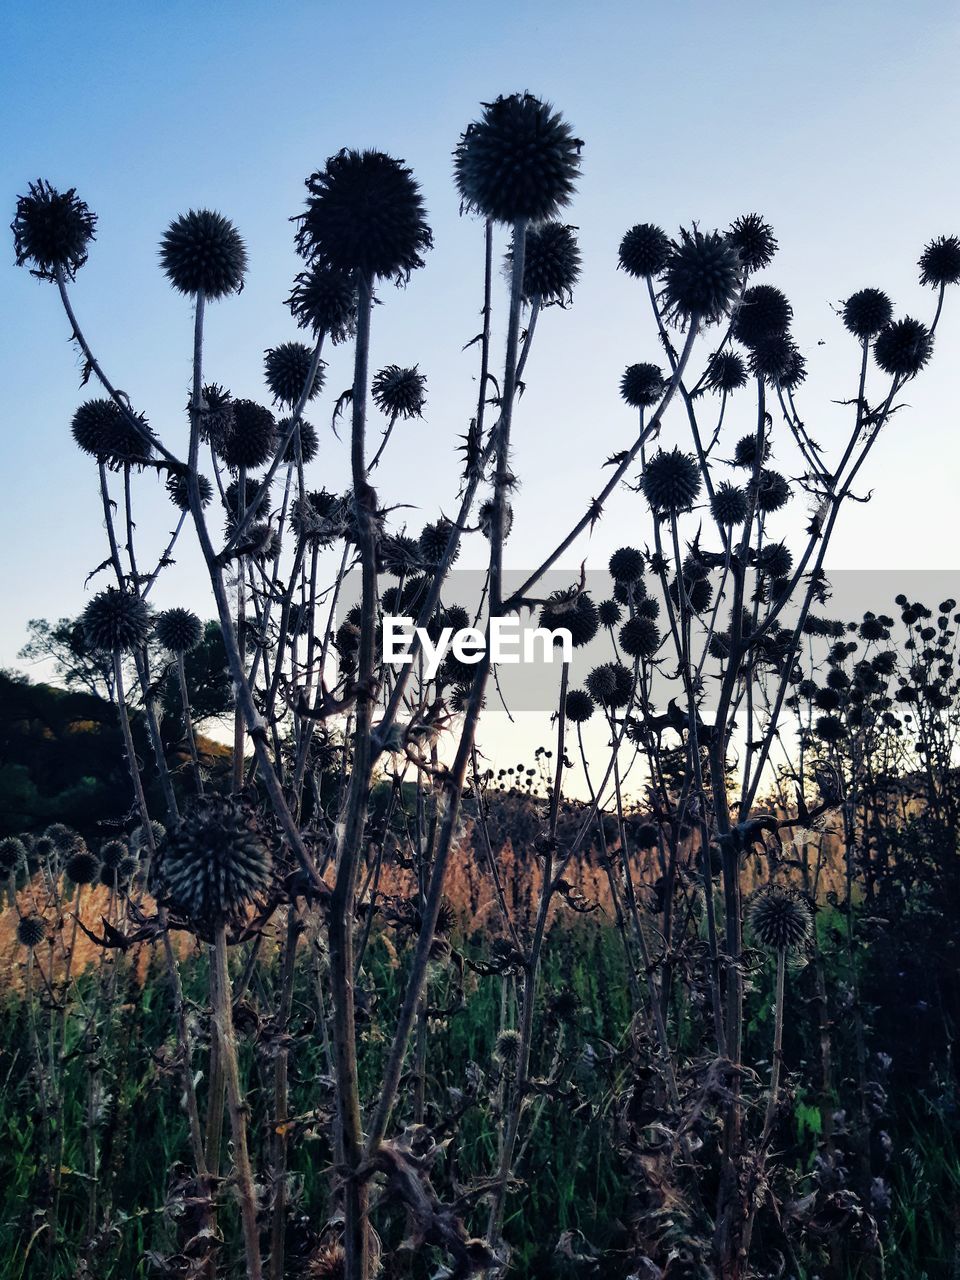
[838,122]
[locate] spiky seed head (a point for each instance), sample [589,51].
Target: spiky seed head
[508,1047]
[519,160]
[318,516]
[647,835]
[203,252]
[626,565]
[446,917]
[745,451]
[647,607]
[309,439]
[13,854]
[104,431]
[726,371]
[753,240]
[81,866]
[579,706]
[252,437]
[178,489]
[399,555]
[31,931]
[551,263]
[262,542]
[286,368]
[399,393]
[609,613]
[113,853]
[574,610]
[115,622]
[872,628]
[644,250]
[866,312]
[642,385]
[213,864]
[640,637]
[775,560]
[777,361]
[327,1263]
[178,630]
[63,837]
[232,501]
[940,262]
[771,489]
[52,231]
[780,918]
[903,347]
[486,515]
[139,839]
[324,299]
[701,279]
[729,504]
[44,848]
[763,312]
[698,593]
[829,728]
[610,684]
[671,481]
[364,213]
[215,414]
[434,540]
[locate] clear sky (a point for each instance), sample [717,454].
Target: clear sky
[838,122]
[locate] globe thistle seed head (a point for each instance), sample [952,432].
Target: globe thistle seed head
[630,593]
[551,263]
[116,622]
[508,1045]
[644,250]
[399,393]
[327,1263]
[104,431]
[31,931]
[44,848]
[903,347]
[140,836]
[252,438]
[647,835]
[626,565]
[745,452]
[519,160]
[730,505]
[486,514]
[13,854]
[434,540]
[574,610]
[52,231]
[780,918]
[179,491]
[231,497]
[324,300]
[178,630]
[726,372]
[829,728]
[215,414]
[701,278]
[287,368]
[610,684]
[777,361]
[763,312]
[698,593]
[642,385]
[640,637]
[81,866]
[203,252]
[399,555]
[866,312]
[262,542]
[771,490]
[671,481]
[648,607]
[308,437]
[579,706]
[364,214]
[753,240]
[775,560]
[940,262]
[872,628]
[609,613]
[113,853]
[319,516]
[213,864]
[827,699]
